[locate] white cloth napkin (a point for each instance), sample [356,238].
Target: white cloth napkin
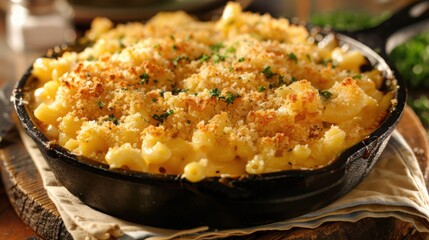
[394,188]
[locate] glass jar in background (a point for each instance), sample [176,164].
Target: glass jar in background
[38,24]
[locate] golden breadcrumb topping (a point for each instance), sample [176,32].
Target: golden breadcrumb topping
[246,94]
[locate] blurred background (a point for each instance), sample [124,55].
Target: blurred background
[29,27]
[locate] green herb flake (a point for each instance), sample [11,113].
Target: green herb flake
[113,119]
[172,37]
[230,50]
[219,58]
[230,98]
[144,78]
[293,79]
[204,57]
[293,57]
[214,92]
[281,80]
[154,100]
[160,118]
[100,104]
[175,47]
[357,76]
[121,42]
[261,89]
[267,72]
[176,91]
[216,47]
[178,59]
[325,94]
[242,59]
[90,58]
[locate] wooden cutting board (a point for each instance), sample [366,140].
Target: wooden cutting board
[29,199]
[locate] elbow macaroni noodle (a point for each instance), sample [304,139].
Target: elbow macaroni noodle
[247,94]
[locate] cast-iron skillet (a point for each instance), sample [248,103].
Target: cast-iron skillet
[170,201]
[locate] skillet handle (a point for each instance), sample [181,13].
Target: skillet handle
[376,37]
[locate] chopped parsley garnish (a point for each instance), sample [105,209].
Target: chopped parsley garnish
[154,100]
[121,41]
[326,62]
[242,59]
[214,92]
[281,80]
[172,37]
[100,104]
[216,47]
[293,57]
[178,59]
[308,57]
[161,93]
[230,50]
[204,57]
[160,118]
[174,47]
[230,98]
[261,89]
[293,79]
[113,119]
[176,91]
[90,58]
[325,94]
[144,78]
[219,58]
[267,72]
[357,76]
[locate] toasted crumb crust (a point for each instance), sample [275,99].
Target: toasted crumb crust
[245,94]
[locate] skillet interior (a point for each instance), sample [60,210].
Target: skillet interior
[172,202]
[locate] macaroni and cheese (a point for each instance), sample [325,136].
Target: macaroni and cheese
[246,94]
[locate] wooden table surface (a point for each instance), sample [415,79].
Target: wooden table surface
[12,227]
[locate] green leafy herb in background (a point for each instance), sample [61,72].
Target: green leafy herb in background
[412,60]
[420,106]
[347,19]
